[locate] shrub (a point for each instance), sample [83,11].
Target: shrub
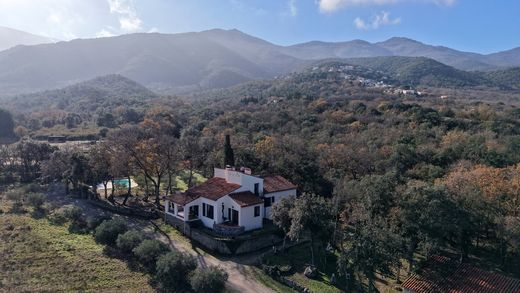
[57,216]
[63,214]
[212,279]
[94,222]
[173,269]
[149,251]
[36,200]
[108,231]
[129,240]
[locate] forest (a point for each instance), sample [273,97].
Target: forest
[393,179]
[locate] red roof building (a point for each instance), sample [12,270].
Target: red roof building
[444,275]
[231,197]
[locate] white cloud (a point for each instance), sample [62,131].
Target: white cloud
[127,15]
[381,19]
[293,10]
[104,34]
[333,5]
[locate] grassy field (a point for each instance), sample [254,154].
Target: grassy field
[39,256]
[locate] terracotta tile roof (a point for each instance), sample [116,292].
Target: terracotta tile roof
[246,198]
[277,183]
[441,274]
[213,188]
[182,198]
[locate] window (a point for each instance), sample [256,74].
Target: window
[207,210]
[210,211]
[267,202]
[257,211]
[257,189]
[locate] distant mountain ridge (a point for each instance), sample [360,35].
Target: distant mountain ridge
[11,38]
[176,63]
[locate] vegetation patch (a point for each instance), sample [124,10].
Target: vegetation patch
[39,256]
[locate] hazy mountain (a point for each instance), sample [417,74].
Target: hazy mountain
[506,58]
[102,92]
[173,63]
[166,63]
[322,50]
[457,59]
[10,38]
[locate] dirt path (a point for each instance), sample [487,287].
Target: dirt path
[239,280]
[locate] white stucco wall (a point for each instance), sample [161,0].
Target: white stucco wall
[248,219]
[277,196]
[247,182]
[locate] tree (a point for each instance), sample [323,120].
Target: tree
[229,156]
[281,216]
[372,246]
[31,155]
[173,268]
[108,231]
[6,124]
[100,167]
[149,251]
[129,240]
[422,219]
[211,279]
[310,213]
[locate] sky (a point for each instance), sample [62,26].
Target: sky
[482,26]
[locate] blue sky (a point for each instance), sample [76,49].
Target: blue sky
[472,25]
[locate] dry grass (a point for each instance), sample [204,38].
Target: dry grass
[39,256]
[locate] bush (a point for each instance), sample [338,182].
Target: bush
[66,213]
[173,269]
[129,240]
[36,200]
[57,216]
[73,213]
[94,222]
[108,231]
[212,279]
[149,251]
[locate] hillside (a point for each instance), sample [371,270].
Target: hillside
[186,62]
[10,38]
[106,92]
[421,71]
[168,63]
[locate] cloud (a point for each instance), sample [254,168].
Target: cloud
[104,34]
[127,15]
[380,19]
[293,10]
[334,5]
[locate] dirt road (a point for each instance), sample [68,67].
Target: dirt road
[239,280]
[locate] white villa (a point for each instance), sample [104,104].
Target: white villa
[231,202]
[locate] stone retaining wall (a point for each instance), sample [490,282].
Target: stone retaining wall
[222,246]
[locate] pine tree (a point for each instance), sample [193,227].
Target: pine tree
[229,156]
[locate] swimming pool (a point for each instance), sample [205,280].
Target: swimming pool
[121,182]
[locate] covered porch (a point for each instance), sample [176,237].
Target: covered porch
[183,207]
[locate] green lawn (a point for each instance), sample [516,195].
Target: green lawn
[268,281]
[298,257]
[39,256]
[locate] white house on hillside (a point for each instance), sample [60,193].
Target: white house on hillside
[230,202]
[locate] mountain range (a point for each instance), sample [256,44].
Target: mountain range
[11,38]
[173,63]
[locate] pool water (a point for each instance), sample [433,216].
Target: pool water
[121,182]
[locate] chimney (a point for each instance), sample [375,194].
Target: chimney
[247,171]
